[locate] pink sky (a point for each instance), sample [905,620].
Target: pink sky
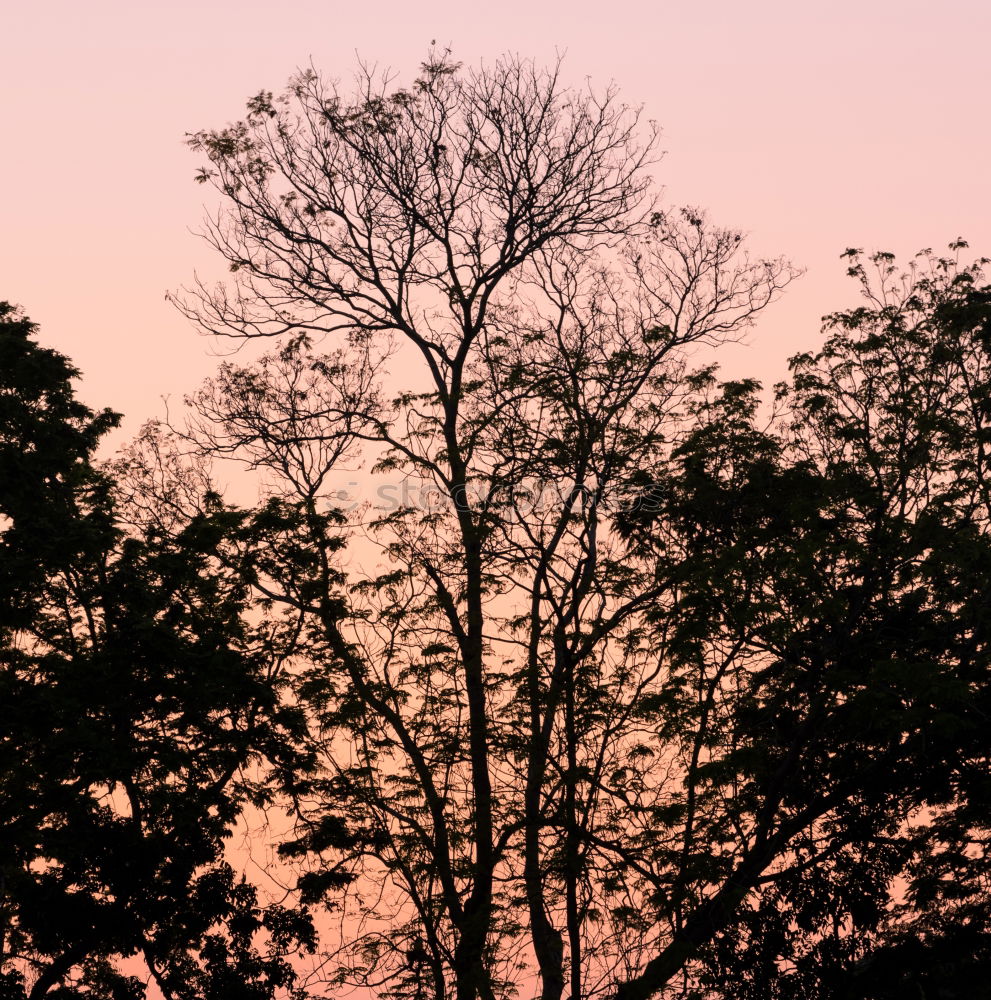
[812,126]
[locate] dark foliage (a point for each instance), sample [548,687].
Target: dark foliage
[134,699]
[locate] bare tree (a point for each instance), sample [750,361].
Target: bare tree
[490,776]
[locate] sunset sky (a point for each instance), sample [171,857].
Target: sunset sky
[814,127]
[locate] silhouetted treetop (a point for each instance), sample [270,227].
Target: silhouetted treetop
[387,208]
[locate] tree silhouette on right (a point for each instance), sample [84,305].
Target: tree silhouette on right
[832,627]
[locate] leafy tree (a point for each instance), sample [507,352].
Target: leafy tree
[134,696]
[851,548]
[47,439]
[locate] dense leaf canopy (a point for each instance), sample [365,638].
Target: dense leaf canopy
[134,695]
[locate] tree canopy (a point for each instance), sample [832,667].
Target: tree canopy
[670,687]
[135,692]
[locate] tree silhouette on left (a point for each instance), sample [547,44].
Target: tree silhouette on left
[133,696]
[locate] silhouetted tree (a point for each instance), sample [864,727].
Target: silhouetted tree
[490,234]
[831,643]
[134,696]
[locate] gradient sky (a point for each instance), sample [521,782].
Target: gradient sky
[812,126]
